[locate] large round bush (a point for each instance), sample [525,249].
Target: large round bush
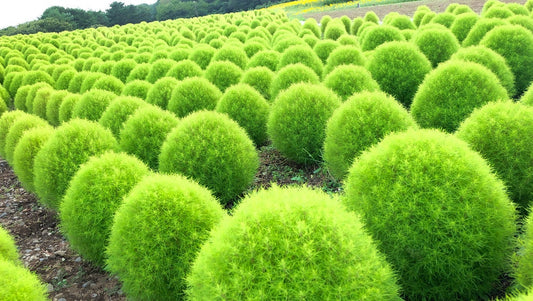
[439,214]
[297,121]
[8,249]
[94,194]
[287,244]
[399,68]
[501,132]
[145,131]
[515,44]
[156,234]
[92,104]
[193,94]
[359,123]
[17,129]
[323,49]
[452,91]
[346,80]
[160,93]
[214,150]
[19,284]
[118,111]
[437,44]
[70,145]
[202,55]
[290,75]
[260,78]
[159,69]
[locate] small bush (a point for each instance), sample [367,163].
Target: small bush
[140,71]
[524,21]
[245,105]
[70,145]
[65,109]
[193,94]
[452,91]
[527,98]
[53,105]
[265,58]
[92,104]
[161,92]
[446,19]
[290,75]
[419,14]
[301,54]
[437,44]
[202,55]
[184,69]
[6,121]
[515,44]
[346,80]
[359,123]
[89,80]
[478,31]
[17,129]
[455,249]
[62,83]
[158,230]
[33,77]
[159,69]
[334,30]
[260,78]
[233,54]
[137,88]
[32,93]
[223,74]
[214,150]
[109,83]
[145,131]
[300,137]
[118,111]
[462,25]
[122,69]
[378,35]
[500,12]
[20,98]
[371,16]
[29,145]
[94,194]
[402,22]
[344,55]
[8,249]
[74,86]
[19,284]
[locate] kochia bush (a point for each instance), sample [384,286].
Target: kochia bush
[233,54]
[378,35]
[223,74]
[478,31]
[290,75]
[363,120]
[303,55]
[524,268]
[184,69]
[452,91]
[260,78]
[19,284]
[346,80]
[94,194]
[462,25]
[161,92]
[6,121]
[344,55]
[214,150]
[265,58]
[278,245]
[193,94]
[53,105]
[17,129]
[437,44]
[297,121]
[118,111]
[65,109]
[70,145]
[92,104]
[158,230]
[8,249]
[109,83]
[462,239]
[137,88]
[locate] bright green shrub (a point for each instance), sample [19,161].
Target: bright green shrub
[524,269]
[378,35]
[32,77]
[265,58]
[17,129]
[527,98]
[13,83]
[324,21]
[122,69]
[109,83]
[28,146]
[462,9]
[290,75]
[3,106]
[107,67]
[74,86]
[462,25]
[500,12]
[159,69]
[66,107]
[32,93]
[94,194]
[223,74]
[297,121]
[202,55]
[344,55]
[6,121]
[53,105]
[323,49]
[501,132]
[184,69]
[89,80]
[478,31]
[428,16]
[363,120]
[245,105]
[346,80]
[41,100]
[140,71]
[334,30]
[260,78]
[399,68]
[251,48]
[371,16]
[440,216]
[193,94]
[402,22]
[214,150]
[233,54]
[70,145]
[8,249]
[92,104]
[445,19]
[143,133]
[19,284]
[284,239]
[301,54]
[452,91]
[158,230]
[161,92]
[356,23]
[20,98]
[118,111]
[179,54]
[524,21]
[137,88]
[312,25]
[437,44]
[515,44]
[490,59]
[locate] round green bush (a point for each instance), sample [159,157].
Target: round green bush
[452,91]
[363,120]
[480,29]
[233,54]
[92,104]
[440,216]
[33,77]
[500,12]
[344,55]
[265,58]
[202,55]
[137,88]
[29,145]
[297,121]
[179,54]
[62,83]
[371,16]
[445,19]
[437,44]
[42,96]
[399,68]
[245,105]
[140,71]
[527,98]
[346,80]
[145,131]
[19,101]
[428,16]
[301,54]
[214,150]
[378,35]
[65,109]
[8,249]
[223,74]
[334,30]
[184,69]
[323,49]
[490,59]
[53,105]
[524,268]
[89,80]
[122,69]
[17,129]
[193,94]
[291,75]
[94,194]
[70,145]
[501,132]
[304,244]
[402,22]
[109,83]
[524,21]
[6,121]
[159,69]
[515,44]
[74,86]
[161,92]
[158,230]
[32,93]
[19,284]
[462,25]
[118,111]
[260,78]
